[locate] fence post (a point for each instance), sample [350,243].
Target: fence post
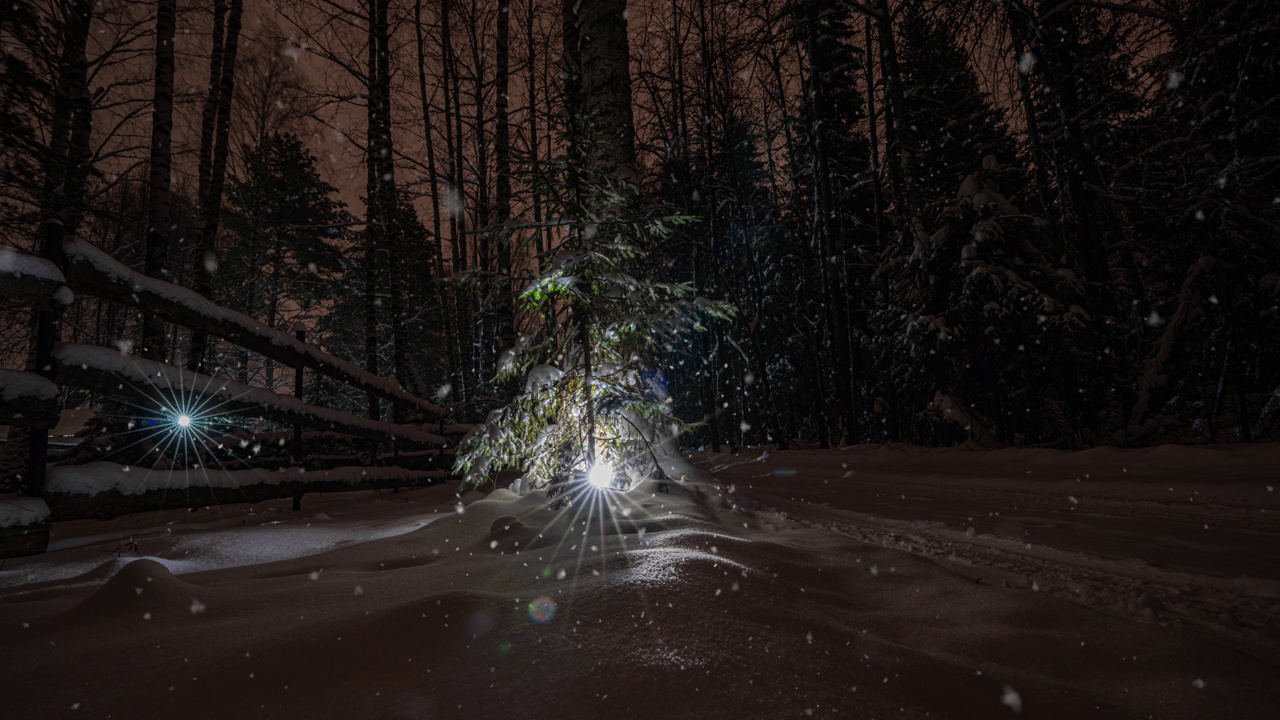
[46,334]
[301,334]
[395,442]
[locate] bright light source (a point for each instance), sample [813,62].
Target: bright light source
[184,421]
[601,475]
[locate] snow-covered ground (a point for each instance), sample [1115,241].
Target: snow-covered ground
[859,583]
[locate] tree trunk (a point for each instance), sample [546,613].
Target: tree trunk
[159,199]
[66,169]
[374,229]
[215,134]
[389,205]
[442,297]
[483,318]
[830,248]
[532,81]
[604,62]
[505,316]
[457,210]
[595,44]
[899,137]
[453,205]
[873,138]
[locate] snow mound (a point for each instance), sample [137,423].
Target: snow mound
[142,591]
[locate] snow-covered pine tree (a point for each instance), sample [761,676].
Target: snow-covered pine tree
[948,114]
[593,389]
[982,337]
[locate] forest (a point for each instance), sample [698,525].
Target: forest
[1014,223]
[711,359]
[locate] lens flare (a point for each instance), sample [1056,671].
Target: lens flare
[601,475]
[184,421]
[542,609]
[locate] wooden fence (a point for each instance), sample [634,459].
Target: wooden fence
[31,398]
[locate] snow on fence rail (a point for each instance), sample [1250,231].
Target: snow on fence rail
[28,399]
[93,271]
[105,370]
[103,490]
[32,280]
[24,527]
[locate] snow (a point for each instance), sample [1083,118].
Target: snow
[19,265]
[93,478]
[247,329]
[161,379]
[846,587]
[219,538]
[15,512]
[16,385]
[542,376]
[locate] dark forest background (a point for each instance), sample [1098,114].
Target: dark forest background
[1009,222]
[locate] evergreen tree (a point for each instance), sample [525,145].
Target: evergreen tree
[341,327]
[593,390]
[286,225]
[424,333]
[729,250]
[1079,95]
[982,336]
[955,125]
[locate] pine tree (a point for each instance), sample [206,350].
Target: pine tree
[982,336]
[287,222]
[945,108]
[1078,94]
[591,391]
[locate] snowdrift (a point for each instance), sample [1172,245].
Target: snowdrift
[671,600]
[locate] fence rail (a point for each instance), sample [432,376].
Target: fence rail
[109,371]
[28,399]
[120,490]
[31,280]
[31,398]
[92,271]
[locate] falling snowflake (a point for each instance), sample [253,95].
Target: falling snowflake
[1012,699]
